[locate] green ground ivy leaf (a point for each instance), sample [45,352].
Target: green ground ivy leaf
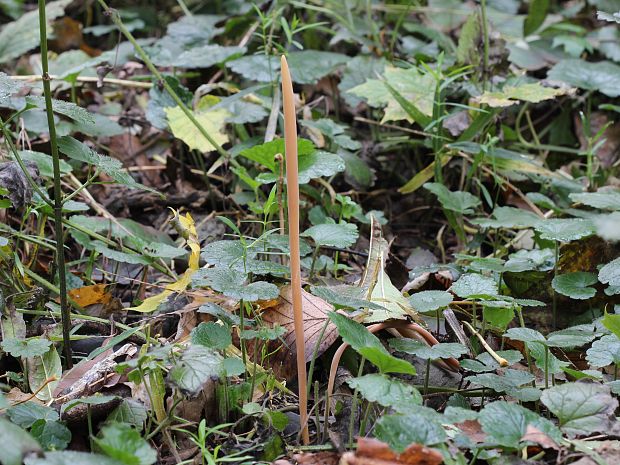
[71,458]
[400,431]
[229,253]
[211,335]
[565,230]
[509,95]
[456,201]
[581,407]
[308,66]
[419,349]
[264,154]
[42,368]
[387,392]
[369,346]
[108,165]
[508,382]
[233,284]
[413,85]
[530,260]
[341,235]
[17,443]
[575,285]
[473,284]
[68,109]
[261,68]
[605,351]
[159,99]
[24,415]
[124,443]
[606,200]
[206,56]
[131,412]
[525,335]
[26,348]
[344,296]
[509,218]
[357,70]
[213,121]
[20,36]
[428,301]
[51,434]
[506,423]
[603,76]
[197,365]
[612,323]
[610,273]
[484,362]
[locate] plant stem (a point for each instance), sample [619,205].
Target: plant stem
[60,243]
[555,296]
[292,194]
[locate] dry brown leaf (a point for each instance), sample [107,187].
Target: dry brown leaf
[90,295]
[317,458]
[473,430]
[535,435]
[316,312]
[375,452]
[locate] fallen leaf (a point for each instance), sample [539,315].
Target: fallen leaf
[317,458]
[374,452]
[315,312]
[89,295]
[535,435]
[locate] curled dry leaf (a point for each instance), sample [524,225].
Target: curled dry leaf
[280,313]
[13,179]
[375,452]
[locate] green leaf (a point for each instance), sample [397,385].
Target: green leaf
[20,36]
[509,95]
[484,362]
[525,335]
[341,235]
[419,349]
[131,412]
[508,382]
[122,442]
[605,351]
[400,431]
[52,435]
[197,365]
[8,87]
[473,285]
[233,366]
[456,201]
[467,51]
[108,165]
[582,408]
[233,284]
[213,121]
[68,109]
[160,99]
[530,260]
[606,200]
[387,392]
[537,12]
[261,68]
[41,369]
[499,317]
[612,323]
[319,164]
[603,76]
[606,226]
[415,87]
[24,415]
[71,458]
[356,71]
[428,301]
[211,335]
[308,66]
[206,56]
[228,253]
[610,273]
[26,348]
[368,345]
[17,443]
[505,424]
[344,296]
[575,285]
[565,230]
[509,218]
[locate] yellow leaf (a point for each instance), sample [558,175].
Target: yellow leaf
[212,121]
[510,95]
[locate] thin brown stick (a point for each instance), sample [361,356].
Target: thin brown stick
[292,196]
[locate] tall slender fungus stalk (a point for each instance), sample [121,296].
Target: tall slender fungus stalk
[292,197]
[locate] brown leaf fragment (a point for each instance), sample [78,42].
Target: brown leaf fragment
[473,430]
[374,452]
[317,458]
[535,435]
[316,315]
